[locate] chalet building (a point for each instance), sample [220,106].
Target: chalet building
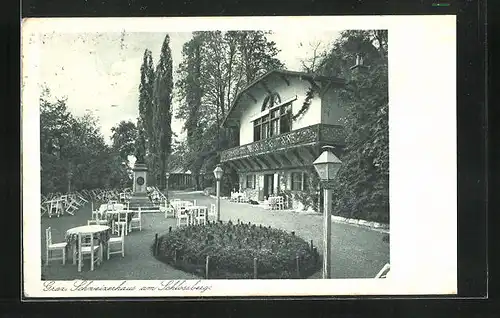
[278,139]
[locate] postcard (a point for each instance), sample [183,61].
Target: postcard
[239,156]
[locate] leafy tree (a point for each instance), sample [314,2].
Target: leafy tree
[258,54]
[123,138]
[162,116]
[362,190]
[215,67]
[76,145]
[146,98]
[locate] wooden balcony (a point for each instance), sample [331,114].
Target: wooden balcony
[297,148]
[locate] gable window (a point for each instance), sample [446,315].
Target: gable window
[271,100]
[276,121]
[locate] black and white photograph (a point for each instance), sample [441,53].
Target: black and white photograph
[189,157]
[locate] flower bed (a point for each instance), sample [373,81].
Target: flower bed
[233,250]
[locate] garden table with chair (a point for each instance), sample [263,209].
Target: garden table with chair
[100,234]
[180,205]
[113,216]
[198,214]
[276,203]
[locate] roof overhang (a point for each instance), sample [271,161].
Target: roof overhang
[318,82]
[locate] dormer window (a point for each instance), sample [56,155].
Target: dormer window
[271,100]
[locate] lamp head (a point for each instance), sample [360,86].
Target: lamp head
[327,165]
[218,172]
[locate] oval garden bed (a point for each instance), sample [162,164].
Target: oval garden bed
[237,251]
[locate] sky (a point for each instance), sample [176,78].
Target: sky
[100,72]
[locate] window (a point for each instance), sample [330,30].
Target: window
[250,181]
[277,121]
[305,181]
[271,100]
[297,181]
[300,181]
[256,130]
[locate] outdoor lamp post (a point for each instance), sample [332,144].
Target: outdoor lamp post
[167,175]
[327,165]
[218,176]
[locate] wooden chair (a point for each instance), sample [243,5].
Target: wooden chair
[279,203]
[50,247]
[80,198]
[213,210]
[98,217]
[200,215]
[136,221]
[95,213]
[56,207]
[168,210]
[87,246]
[43,210]
[120,240]
[182,217]
[384,272]
[179,206]
[121,221]
[70,204]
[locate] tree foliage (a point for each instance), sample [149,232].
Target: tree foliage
[162,114]
[75,144]
[146,97]
[123,137]
[362,190]
[215,67]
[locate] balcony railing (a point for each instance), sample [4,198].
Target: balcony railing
[315,134]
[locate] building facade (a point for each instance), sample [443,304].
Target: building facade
[283,119]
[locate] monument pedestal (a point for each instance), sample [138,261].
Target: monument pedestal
[139,193]
[140,178]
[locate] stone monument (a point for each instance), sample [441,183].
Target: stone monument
[140,170]
[140,178]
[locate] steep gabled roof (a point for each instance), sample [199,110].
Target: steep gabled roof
[313,78]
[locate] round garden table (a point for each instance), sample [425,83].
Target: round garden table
[99,232]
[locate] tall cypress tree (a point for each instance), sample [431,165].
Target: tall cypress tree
[146,98]
[162,117]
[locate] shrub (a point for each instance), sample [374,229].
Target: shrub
[232,249]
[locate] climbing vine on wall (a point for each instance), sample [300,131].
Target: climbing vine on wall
[305,105]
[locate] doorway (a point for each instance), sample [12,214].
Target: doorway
[268,185]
